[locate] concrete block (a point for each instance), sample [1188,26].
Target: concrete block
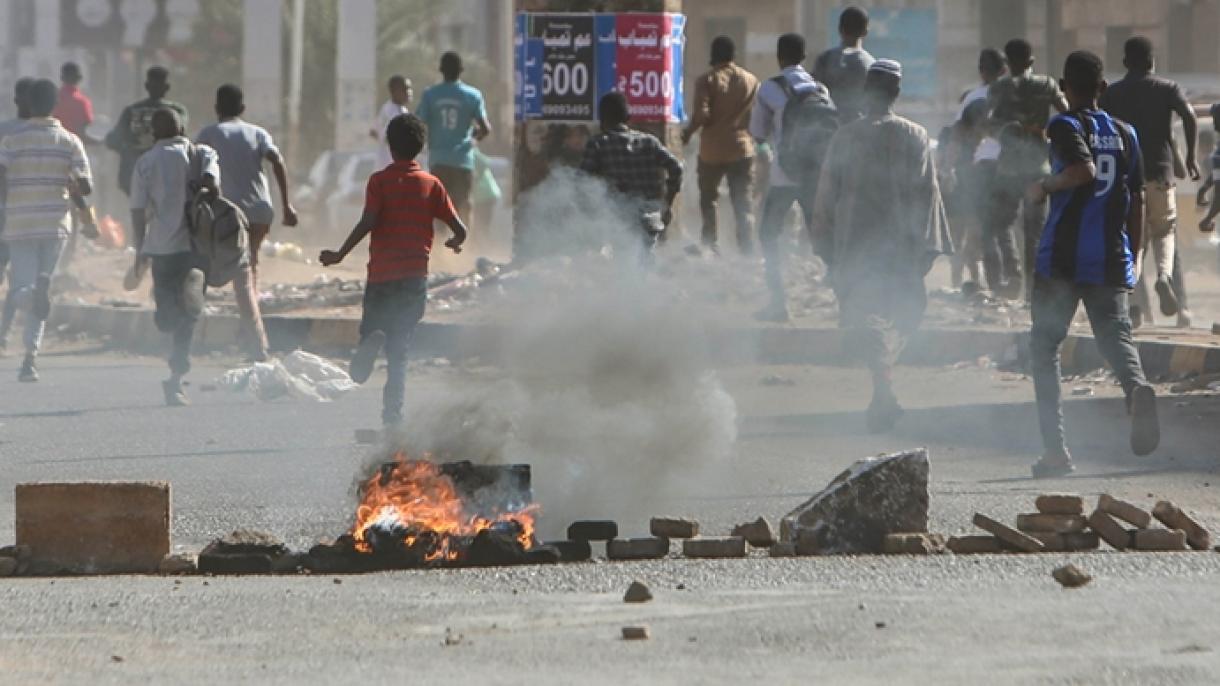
[592,530]
[1060,503]
[1175,517]
[973,545]
[1159,539]
[637,548]
[729,546]
[1121,509]
[1008,535]
[1110,530]
[1052,523]
[673,527]
[94,527]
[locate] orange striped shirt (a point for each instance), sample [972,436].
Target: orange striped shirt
[405,200]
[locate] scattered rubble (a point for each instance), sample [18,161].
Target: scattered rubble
[1052,523]
[1071,576]
[593,530]
[1060,503]
[298,375]
[673,527]
[636,633]
[174,565]
[246,552]
[1109,529]
[1121,509]
[1008,535]
[653,548]
[1158,539]
[637,593]
[728,546]
[1175,518]
[757,533]
[874,497]
[782,549]
[572,551]
[974,545]
[913,544]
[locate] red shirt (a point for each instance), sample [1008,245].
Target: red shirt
[405,199]
[74,109]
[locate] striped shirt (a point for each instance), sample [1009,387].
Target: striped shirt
[405,200]
[41,160]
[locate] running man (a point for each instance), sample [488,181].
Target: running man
[843,69]
[133,136]
[456,117]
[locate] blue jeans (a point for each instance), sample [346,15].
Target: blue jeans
[32,260]
[394,308]
[1054,305]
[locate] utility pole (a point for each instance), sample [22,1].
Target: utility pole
[296,68]
[356,73]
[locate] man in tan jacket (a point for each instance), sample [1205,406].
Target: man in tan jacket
[724,97]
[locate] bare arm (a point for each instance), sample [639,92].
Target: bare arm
[1135,222]
[459,234]
[1073,176]
[482,128]
[332,257]
[1190,125]
[702,111]
[281,178]
[1061,103]
[139,228]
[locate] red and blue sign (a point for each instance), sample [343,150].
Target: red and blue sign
[566,62]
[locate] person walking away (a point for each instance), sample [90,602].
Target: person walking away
[633,164]
[243,148]
[879,225]
[21,101]
[165,179]
[724,98]
[400,98]
[401,202]
[1208,223]
[74,109]
[486,193]
[843,69]
[1020,106]
[1148,102]
[456,117]
[132,135]
[40,164]
[1086,255]
[767,125]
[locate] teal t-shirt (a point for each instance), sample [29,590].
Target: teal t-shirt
[450,110]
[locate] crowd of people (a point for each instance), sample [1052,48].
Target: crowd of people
[1079,174]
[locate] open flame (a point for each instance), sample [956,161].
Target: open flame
[415,500]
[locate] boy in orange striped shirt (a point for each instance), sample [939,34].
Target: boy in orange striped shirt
[401,202]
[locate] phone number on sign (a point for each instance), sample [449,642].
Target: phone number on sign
[649,110]
[567,110]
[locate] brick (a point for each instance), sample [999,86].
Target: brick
[973,545]
[1175,517]
[1008,535]
[636,633]
[592,530]
[572,551]
[1084,540]
[1071,576]
[784,549]
[1127,512]
[637,548]
[757,533]
[543,555]
[1060,503]
[1110,530]
[728,546]
[94,527]
[178,564]
[1052,542]
[673,527]
[1159,539]
[1052,523]
[912,544]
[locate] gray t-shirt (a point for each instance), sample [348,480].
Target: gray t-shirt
[843,70]
[242,147]
[160,186]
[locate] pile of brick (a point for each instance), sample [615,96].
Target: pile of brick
[1060,525]
[662,530]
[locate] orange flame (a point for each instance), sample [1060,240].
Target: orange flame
[417,496]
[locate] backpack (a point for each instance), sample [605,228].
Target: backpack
[810,120]
[219,237]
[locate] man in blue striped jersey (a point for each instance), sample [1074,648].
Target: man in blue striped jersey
[1087,254]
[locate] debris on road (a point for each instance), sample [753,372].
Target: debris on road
[673,527]
[1121,509]
[636,633]
[592,530]
[299,375]
[572,551]
[175,565]
[1118,536]
[872,498]
[1164,540]
[1008,535]
[720,547]
[974,545]
[637,593]
[782,549]
[653,548]
[913,544]
[245,551]
[757,533]
[1052,523]
[1060,503]
[1071,576]
[1174,517]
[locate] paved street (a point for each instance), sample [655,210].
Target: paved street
[288,467]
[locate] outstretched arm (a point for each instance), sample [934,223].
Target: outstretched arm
[367,221]
[281,178]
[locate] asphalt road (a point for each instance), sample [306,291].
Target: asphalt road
[288,468]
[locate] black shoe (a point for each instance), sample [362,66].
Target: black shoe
[41,306]
[883,414]
[1051,466]
[174,395]
[1137,316]
[29,372]
[775,313]
[1169,301]
[192,293]
[1145,427]
[366,356]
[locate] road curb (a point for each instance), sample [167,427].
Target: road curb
[133,330]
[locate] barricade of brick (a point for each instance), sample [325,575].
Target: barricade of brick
[1110,530]
[728,546]
[1008,535]
[1052,523]
[974,545]
[1175,517]
[1159,539]
[757,533]
[637,548]
[1060,504]
[912,544]
[94,527]
[592,530]
[673,527]
[572,551]
[1121,509]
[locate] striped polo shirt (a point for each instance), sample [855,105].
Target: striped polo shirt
[40,159]
[405,200]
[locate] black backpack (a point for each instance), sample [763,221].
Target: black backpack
[810,120]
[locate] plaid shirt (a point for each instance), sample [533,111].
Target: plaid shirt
[633,162]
